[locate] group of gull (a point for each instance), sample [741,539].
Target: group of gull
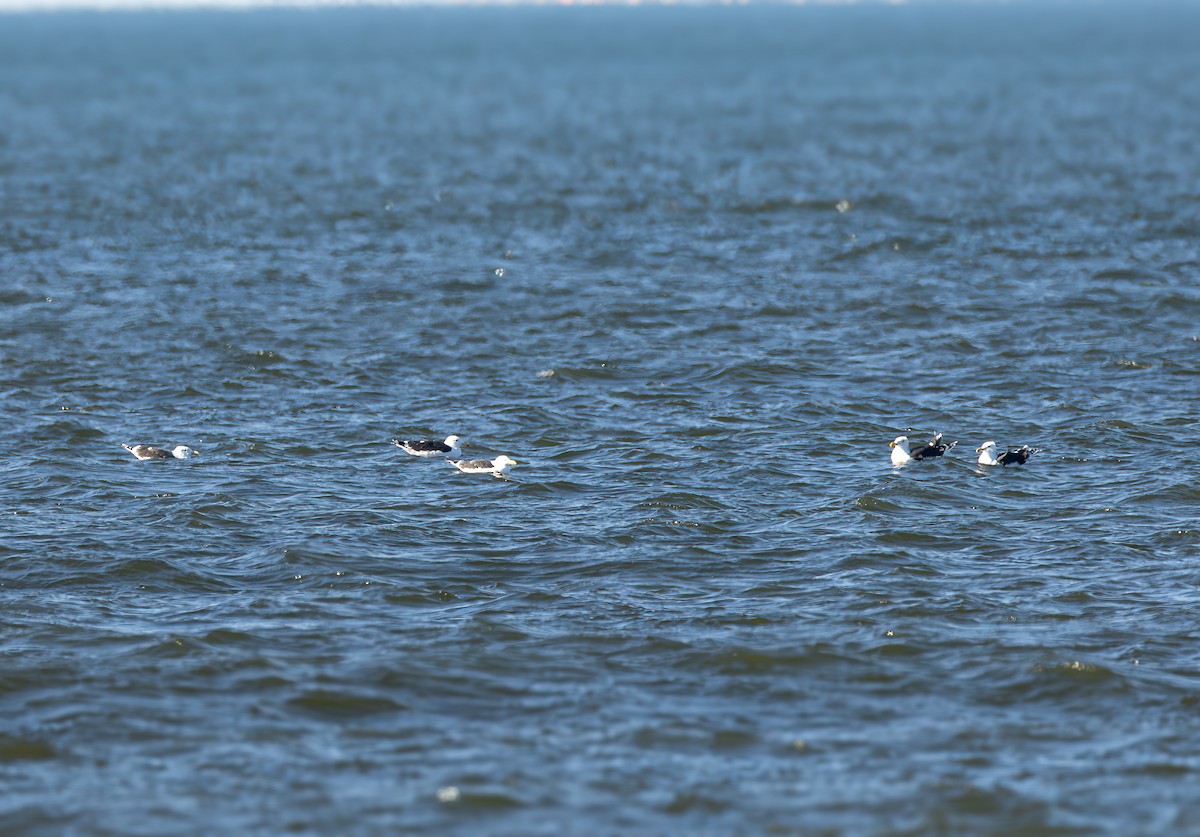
[423,448]
[451,448]
[902,454]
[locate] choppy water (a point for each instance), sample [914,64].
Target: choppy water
[752,246]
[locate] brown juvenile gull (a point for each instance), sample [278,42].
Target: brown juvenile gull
[151,452]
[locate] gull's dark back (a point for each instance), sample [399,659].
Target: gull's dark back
[1015,457]
[934,447]
[426,445]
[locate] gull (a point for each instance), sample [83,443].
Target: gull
[901,455]
[1017,456]
[495,467]
[425,448]
[151,452]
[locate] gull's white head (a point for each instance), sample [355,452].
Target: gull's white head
[183,452]
[987,453]
[899,442]
[899,447]
[502,461]
[452,441]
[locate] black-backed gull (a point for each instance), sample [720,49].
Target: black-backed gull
[495,467]
[151,452]
[426,448]
[1012,456]
[901,455]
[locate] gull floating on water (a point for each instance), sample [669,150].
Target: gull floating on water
[151,452]
[495,467]
[426,448]
[901,455]
[1017,456]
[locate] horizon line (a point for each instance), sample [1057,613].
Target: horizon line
[58,6]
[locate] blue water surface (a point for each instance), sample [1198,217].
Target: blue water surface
[693,268]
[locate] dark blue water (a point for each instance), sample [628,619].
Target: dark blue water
[693,269]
